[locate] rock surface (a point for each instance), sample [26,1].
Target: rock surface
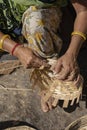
[18,102]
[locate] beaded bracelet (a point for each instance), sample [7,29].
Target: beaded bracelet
[80,34]
[15,46]
[2,40]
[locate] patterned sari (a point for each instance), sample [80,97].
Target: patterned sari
[11,11]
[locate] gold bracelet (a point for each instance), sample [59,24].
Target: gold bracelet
[2,40]
[80,34]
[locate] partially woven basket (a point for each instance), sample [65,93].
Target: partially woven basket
[79,124]
[58,89]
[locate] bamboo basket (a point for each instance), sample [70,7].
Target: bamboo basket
[79,124]
[20,128]
[59,90]
[44,79]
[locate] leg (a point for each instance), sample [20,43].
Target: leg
[40,30]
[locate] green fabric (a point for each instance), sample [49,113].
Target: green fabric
[11,11]
[7,18]
[21,5]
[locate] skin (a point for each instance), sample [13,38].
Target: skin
[66,64]
[24,54]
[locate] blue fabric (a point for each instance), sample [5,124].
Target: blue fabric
[17,31]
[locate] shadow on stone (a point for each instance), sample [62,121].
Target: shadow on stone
[9,124]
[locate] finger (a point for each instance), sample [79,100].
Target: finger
[27,62]
[72,76]
[28,65]
[63,74]
[57,68]
[37,62]
[78,81]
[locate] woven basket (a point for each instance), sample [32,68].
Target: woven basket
[79,124]
[20,128]
[59,90]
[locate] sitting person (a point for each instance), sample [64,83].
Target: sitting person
[40,22]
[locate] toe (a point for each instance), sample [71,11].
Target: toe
[44,105]
[49,103]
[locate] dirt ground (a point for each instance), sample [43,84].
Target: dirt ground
[22,106]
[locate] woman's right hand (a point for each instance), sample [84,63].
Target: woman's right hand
[28,58]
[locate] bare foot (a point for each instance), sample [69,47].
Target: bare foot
[47,101]
[44,105]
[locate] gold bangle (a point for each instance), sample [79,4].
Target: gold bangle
[80,34]
[2,40]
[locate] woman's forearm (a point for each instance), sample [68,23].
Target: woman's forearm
[24,54]
[80,25]
[8,44]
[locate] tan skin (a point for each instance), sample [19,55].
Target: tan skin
[67,63]
[24,54]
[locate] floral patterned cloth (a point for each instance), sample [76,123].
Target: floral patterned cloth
[40,26]
[40,23]
[11,11]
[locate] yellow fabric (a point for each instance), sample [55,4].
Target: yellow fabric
[40,28]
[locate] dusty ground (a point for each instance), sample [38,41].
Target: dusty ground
[23,106]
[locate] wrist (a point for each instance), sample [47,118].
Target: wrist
[3,37]
[17,50]
[72,54]
[75,46]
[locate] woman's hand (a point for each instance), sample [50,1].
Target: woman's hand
[66,67]
[28,58]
